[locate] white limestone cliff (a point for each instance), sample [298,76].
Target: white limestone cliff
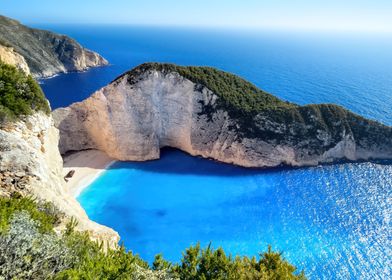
[132,121]
[30,163]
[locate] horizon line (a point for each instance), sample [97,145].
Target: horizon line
[217,27]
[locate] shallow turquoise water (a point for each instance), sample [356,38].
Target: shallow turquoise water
[333,221]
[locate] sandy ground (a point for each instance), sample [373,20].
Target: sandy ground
[88,165]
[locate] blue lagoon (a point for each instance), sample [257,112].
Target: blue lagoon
[332,221]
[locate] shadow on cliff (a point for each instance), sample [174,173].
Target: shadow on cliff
[174,161]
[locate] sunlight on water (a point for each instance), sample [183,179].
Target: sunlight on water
[334,222]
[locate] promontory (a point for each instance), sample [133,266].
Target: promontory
[45,52]
[210,113]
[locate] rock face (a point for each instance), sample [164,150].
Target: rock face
[9,56]
[155,106]
[45,52]
[31,164]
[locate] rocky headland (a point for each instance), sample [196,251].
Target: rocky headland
[209,113]
[46,53]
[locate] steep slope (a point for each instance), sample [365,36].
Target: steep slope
[45,52]
[213,114]
[30,162]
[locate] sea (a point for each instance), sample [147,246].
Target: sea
[332,222]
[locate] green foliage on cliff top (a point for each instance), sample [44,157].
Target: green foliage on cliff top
[240,98]
[20,95]
[233,90]
[30,248]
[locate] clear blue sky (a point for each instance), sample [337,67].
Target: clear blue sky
[357,15]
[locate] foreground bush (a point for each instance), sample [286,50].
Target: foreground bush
[93,263]
[208,263]
[25,253]
[29,249]
[45,214]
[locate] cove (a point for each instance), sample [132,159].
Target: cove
[331,221]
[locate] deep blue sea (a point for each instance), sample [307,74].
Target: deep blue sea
[334,222]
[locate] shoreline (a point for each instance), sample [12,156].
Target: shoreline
[88,166]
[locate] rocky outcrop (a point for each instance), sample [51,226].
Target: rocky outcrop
[45,52]
[155,106]
[9,56]
[31,164]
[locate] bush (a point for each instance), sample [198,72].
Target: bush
[29,249]
[208,263]
[93,263]
[44,214]
[25,253]
[20,95]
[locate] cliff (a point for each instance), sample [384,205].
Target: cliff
[9,56]
[30,162]
[213,114]
[45,52]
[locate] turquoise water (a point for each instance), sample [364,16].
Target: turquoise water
[333,221]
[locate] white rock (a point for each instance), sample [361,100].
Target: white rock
[132,121]
[30,148]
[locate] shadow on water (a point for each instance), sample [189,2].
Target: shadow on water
[174,161]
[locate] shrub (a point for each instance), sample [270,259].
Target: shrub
[25,253]
[160,263]
[20,94]
[44,214]
[93,262]
[208,263]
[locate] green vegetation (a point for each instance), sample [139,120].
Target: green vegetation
[45,214]
[258,114]
[19,94]
[233,90]
[29,249]
[208,263]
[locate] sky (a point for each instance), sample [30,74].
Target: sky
[330,15]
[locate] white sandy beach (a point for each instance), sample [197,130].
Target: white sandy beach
[88,165]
